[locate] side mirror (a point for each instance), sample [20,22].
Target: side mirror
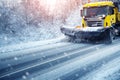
[81,13]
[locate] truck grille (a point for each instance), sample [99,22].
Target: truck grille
[95,23]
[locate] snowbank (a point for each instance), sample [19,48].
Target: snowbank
[27,45]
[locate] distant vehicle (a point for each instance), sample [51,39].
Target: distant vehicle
[100,20]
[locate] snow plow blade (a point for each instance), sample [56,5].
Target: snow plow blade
[96,33]
[68,31]
[91,35]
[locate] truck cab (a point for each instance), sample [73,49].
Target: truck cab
[99,14]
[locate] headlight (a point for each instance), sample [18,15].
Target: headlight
[102,17]
[83,17]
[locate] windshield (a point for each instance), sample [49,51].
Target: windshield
[95,11]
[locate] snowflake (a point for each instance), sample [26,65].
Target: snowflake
[24,77]
[58,79]
[27,73]
[76,75]
[5,38]
[15,58]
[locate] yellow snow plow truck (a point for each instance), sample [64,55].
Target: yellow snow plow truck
[100,20]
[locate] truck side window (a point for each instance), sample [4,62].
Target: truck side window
[111,10]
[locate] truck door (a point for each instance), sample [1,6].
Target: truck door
[110,18]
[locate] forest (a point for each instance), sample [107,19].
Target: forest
[33,20]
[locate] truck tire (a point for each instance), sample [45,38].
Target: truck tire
[109,37]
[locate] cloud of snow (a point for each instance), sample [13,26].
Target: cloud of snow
[19,25]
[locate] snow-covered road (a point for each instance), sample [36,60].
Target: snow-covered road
[62,60]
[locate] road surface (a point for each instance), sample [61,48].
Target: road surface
[62,61]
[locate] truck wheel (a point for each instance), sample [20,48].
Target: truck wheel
[110,37]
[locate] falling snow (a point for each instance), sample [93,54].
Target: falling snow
[24,77]
[15,58]
[27,73]
[33,25]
